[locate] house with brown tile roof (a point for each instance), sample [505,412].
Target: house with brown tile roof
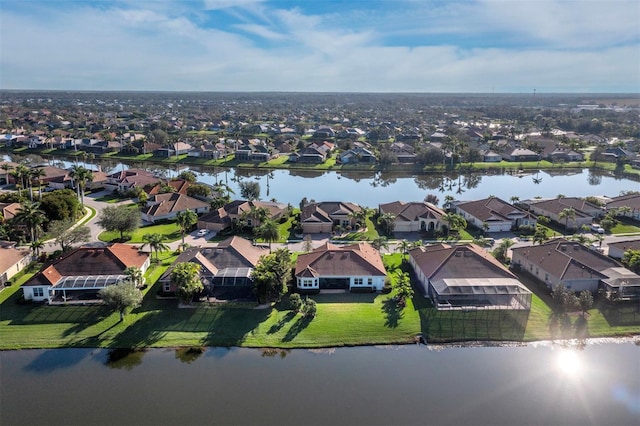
[414,216]
[84,270]
[9,210]
[168,205]
[322,217]
[178,185]
[584,210]
[331,267]
[12,260]
[617,249]
[227,266]
[576,267]
[466,276]
[222,218]
[499,215]
[631,200]
[127,179]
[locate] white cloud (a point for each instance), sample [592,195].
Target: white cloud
[225,4]
[135,48]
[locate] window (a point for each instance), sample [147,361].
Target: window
[358,281]
[38,292]
[370,281]
[167,287]
[307,283]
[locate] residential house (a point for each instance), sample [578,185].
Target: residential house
[585,211]
[8,211]
[322,217]
[12,260]
[413,216]
[497,214]
[577,268]
[405,153]
[222,218]
[357,155]
[126,180]
[178,148]
[177,185]
[225,269]
[331,267]
[466,276]
[82,272]
[520,154]
[630,200]
[618,248]
[208,151]
[491,157]
[167,206]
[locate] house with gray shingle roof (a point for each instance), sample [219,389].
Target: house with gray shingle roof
[585,211]
[168,205]
[321,217]
[577,268]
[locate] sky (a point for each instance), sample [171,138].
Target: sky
[481,46]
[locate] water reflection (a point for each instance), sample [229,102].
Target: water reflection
[189,354]
[124,358]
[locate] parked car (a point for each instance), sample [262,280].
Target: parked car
[202,232]
[597,228]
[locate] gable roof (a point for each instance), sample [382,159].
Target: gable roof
[171,202]
[556,205]
[332,260]
[466,261]
[630,200]
[322,212]
[567,260]
[491,209]
[412,211]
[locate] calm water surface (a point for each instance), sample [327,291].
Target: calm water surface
[537,384]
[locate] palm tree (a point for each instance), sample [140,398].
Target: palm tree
[269,232]
[186,220]
[31,216]
[6,167]
[20,173]
[540,236]
[155,243]
[81,176]
[359,217]
[566,214]
[36,246]
[36,174]
[387,222]
[623,211]
[514,199]
[403,247]
[501,251]
[258,214]
[380,243]
[135,275]
[454,221]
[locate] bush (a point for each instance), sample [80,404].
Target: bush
[309,309]
[295,302]
[527,229]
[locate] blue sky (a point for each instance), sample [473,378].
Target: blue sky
[321,45]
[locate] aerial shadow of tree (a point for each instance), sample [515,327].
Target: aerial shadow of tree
[281,323]
[141,334]
[230,326]
[393,313]
[55,359]
[296,328]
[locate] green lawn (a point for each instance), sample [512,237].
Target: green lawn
[624,228]
[170,230]
[342,319]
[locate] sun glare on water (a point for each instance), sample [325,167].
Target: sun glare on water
[568,362]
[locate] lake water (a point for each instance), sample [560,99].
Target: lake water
[536,384]
[370,189]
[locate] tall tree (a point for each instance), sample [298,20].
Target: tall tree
[36,174]
[63,233]
[81,176]
[119,218]
[272,274]
[30,215]
[186,277]
[36,246]
[567,214]
[121,297]
[6,167]
[155,242]
[380,243]
[387,223]
[268,231]
[135,275]
[250,190]
[186,220]
[500,252]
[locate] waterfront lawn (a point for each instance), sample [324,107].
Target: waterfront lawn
[170,230]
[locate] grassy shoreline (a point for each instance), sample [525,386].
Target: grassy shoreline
[349,319]
[330,165]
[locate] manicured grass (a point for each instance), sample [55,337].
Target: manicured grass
[624,228]
[342,319]
[111,198]
[369,234]
[91,215]
[170,230]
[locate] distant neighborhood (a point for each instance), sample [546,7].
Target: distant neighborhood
[91,236]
